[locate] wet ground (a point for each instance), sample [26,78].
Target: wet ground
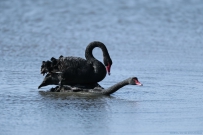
[160,42]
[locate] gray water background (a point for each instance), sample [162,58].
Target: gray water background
[159,41]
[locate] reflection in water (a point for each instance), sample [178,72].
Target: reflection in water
[80,113]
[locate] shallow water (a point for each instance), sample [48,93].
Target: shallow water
[160,42]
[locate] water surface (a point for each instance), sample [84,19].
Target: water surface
[160,42]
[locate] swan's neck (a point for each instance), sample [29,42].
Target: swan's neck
[99,68]
[91,46]
[115,87]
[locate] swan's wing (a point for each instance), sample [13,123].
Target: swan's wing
[66,63]
[75,68]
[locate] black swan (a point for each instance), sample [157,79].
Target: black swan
[95,89]
[76,70]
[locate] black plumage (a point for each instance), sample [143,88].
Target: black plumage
[76,70]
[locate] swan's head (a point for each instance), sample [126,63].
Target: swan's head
[108,63]
[134,81]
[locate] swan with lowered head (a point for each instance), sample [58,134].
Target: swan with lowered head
[90,89]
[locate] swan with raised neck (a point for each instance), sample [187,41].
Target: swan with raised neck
[76,70]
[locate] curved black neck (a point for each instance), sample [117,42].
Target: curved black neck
[91,46]
[99,68]
[115,87]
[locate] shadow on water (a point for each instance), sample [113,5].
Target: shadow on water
[76,99]
[81,95]
[65,95]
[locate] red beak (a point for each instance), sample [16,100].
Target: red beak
[108,68]
[138,83]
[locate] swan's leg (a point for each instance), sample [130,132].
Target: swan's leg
[60,84]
